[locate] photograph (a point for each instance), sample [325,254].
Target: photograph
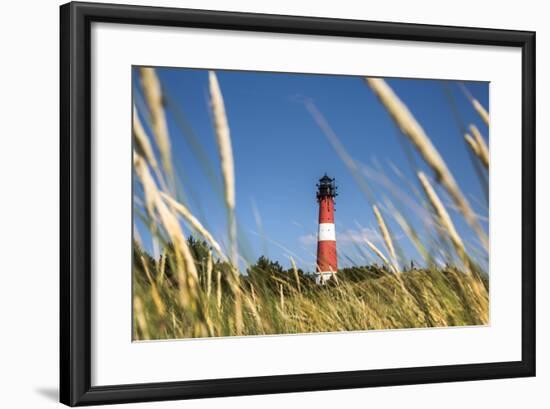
[268,203]
[275,204]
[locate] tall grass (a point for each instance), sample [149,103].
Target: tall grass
[440,298]
[212,290]
[414,131]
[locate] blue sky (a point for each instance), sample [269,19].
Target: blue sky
[280,152]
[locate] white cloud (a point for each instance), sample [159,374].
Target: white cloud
[308,239]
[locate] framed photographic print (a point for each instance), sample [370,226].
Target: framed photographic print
[259,204]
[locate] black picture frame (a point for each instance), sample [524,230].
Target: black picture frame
[76,202]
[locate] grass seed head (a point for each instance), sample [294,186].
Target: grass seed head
[415,133]
[153,95]
[482,148]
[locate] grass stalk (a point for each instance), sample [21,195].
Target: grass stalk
[153,95]
[444,219]
[386,236]
[410,127]
[223,139]
[194,222]
[483,149]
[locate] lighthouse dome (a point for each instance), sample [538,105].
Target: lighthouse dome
[326,187]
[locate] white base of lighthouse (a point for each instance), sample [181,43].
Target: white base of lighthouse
[321,277]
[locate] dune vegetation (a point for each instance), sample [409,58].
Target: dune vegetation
[198,285]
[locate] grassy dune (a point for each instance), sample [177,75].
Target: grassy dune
[417,299]
[198,291]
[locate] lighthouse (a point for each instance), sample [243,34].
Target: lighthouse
[326,238]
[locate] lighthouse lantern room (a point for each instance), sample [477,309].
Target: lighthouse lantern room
[326,238]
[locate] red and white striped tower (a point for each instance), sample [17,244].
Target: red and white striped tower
[326,239]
